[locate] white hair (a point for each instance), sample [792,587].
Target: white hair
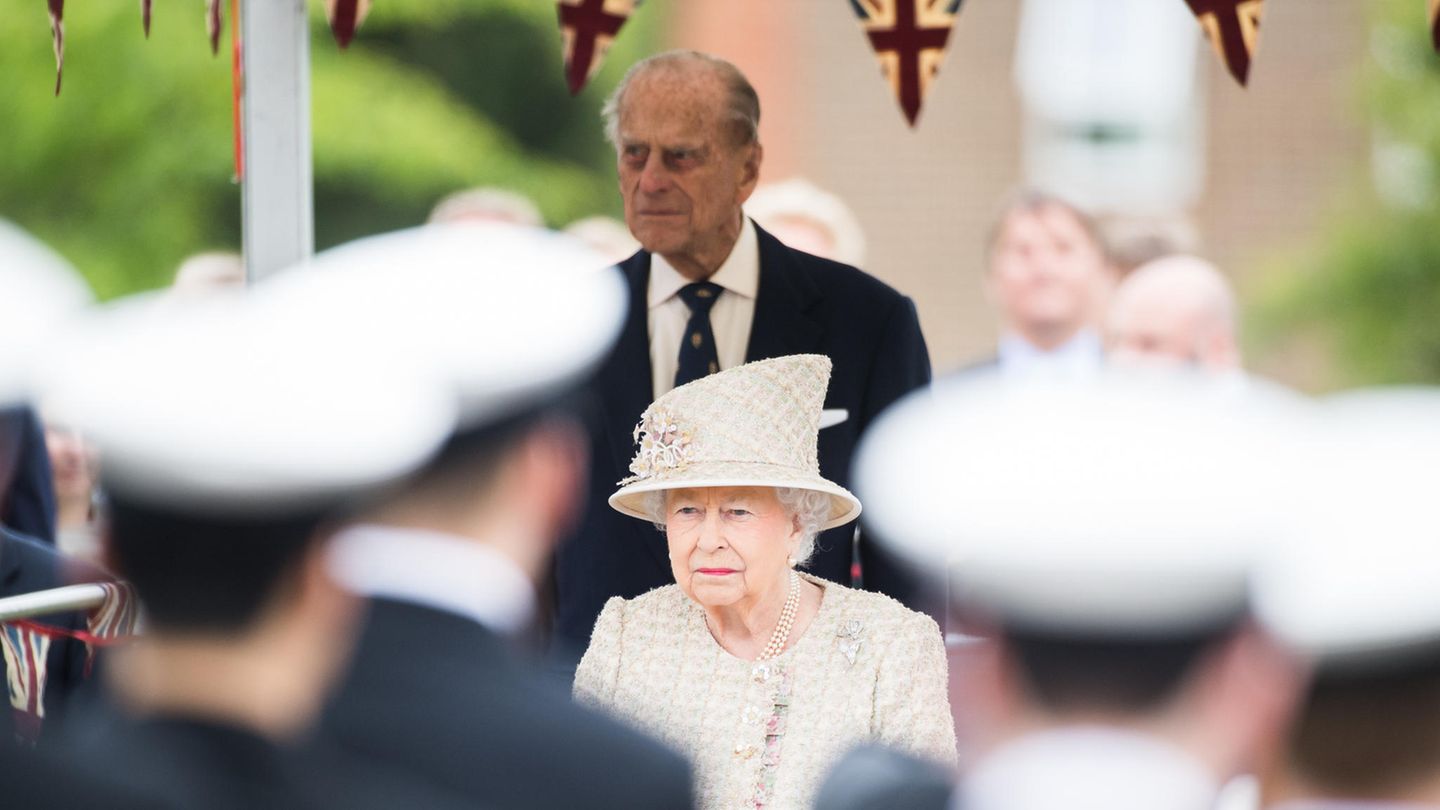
[798,198]
[498,204]
[807,507]
[742,103]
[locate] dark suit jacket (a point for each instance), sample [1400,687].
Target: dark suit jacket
[27,491]
[876,778]
[804,305]
[184,762]
[27,565]
[438,696]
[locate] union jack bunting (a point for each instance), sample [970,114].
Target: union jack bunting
[57,38]
[909,37]
[213,24]
[345,17]
[1435,23]
[587,27]
[1233,28]
[26,651]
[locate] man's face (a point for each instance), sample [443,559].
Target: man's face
[682,177]
[1152,337]
[1046,272]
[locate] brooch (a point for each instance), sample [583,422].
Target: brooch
[848,639]
[663,445]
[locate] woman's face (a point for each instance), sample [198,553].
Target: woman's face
[728,545]
[72,462]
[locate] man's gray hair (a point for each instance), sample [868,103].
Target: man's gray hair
[742,106]
[808,507]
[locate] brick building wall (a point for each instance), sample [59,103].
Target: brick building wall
[1277,153]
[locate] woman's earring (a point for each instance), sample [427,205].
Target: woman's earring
[790,560]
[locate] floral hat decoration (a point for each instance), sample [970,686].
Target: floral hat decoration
[756,425]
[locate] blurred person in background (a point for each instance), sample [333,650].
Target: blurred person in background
[208,272]
[1132,241]
[27,497]
[487,205]
[727,468]
[77,494]
[711,290]
[1048,278]
[230,442]
[44,664]
[27,490]
[1176,312]
[1102,538]
[448,561]
[810,219]
[608,237]
[1354,592]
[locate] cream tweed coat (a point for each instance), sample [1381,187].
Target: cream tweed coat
[766,734]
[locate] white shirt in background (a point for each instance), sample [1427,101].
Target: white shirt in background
[434,570]
[1088,768]
[1079,358]
[730,317]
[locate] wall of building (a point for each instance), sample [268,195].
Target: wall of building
[1278,153]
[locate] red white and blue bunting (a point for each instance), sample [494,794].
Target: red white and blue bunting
[909,37]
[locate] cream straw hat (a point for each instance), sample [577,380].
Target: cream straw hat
[755,425]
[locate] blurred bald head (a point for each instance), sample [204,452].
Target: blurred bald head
[1176,311]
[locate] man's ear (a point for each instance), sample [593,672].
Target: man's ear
[751,168]
[551,466]
[984,681]
[1248,692]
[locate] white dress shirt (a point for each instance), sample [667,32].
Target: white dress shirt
[1078,358]
[730,316]
[434,570]
[1088,768]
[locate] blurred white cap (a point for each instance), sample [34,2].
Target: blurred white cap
[1358,581]
[212,407]
[1129,507]
[506,315]
[39,291]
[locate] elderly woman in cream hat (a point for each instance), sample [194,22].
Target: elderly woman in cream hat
[763,675]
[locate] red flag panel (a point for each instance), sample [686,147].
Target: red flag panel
[909,38]
[1233,28]
[587,28]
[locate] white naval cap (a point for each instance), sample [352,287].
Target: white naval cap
[507,314]
[1126,507]
[212,407]
[39,291]
[1357,582]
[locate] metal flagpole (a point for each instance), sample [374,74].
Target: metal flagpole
[277,199]
[55,600]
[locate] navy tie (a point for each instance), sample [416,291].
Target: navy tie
[698,355]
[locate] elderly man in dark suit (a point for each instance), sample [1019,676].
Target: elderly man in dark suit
[711,290]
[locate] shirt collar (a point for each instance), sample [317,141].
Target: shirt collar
[1089,766]
[436,570]
[739,274]
[1082,353]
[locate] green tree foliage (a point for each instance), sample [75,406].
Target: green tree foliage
[1370,286]
[131,168]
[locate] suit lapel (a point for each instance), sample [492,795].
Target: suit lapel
[783,302]
[629,389]
[628,384]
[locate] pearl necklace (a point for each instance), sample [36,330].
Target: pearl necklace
[781,636]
